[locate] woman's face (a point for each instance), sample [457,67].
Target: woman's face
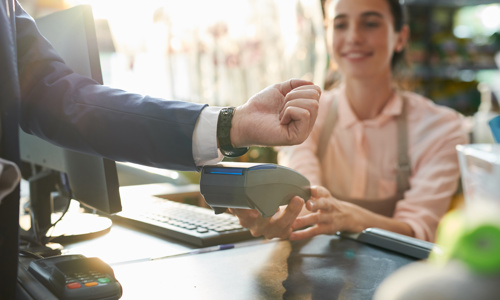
[361,37]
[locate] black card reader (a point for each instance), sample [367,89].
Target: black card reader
[260,186]
[77,277]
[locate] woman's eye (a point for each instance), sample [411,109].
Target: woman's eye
[371,24]
[339,25]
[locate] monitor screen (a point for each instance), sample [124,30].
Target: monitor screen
[91,180]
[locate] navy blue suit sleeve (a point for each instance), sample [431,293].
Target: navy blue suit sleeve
[76,112]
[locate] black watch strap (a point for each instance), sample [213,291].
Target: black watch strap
[224,134]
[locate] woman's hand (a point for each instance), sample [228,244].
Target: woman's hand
[277,226]
[327,216]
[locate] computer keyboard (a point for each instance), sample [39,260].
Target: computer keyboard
[192,224]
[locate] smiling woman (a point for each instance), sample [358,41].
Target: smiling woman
[389,158]
[388,148]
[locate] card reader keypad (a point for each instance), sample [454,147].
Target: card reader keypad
[87,279]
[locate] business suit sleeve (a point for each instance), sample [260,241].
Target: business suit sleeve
[76,112]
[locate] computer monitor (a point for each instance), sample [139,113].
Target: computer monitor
[91,180]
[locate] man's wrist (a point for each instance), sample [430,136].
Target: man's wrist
[224,124]
[205,148]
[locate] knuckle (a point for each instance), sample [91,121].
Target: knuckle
[255,233]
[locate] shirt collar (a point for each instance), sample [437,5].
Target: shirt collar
[347,118]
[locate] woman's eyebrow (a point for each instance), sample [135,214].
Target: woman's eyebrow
[372,13]
[341,16]
[365,14]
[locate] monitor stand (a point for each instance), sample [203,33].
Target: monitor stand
[47,196]
[77,226]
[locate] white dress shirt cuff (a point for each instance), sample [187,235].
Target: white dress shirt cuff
[205,149]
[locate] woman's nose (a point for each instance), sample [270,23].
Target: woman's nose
[354,35]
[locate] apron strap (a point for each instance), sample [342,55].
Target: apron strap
[327,129]
[404,167]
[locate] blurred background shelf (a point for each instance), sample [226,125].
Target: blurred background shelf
[452,49]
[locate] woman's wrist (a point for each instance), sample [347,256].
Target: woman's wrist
[353,217]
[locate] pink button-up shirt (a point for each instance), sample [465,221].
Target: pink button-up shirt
[361,158]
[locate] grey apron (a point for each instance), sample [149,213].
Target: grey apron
[381,206]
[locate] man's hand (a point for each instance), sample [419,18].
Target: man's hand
[281,114]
